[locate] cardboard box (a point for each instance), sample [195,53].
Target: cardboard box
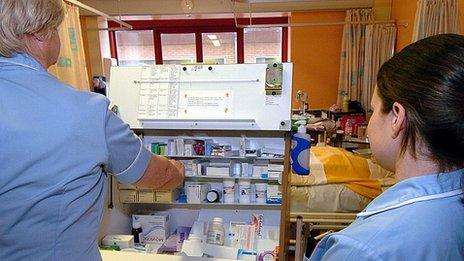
[196,193]
[155,227]
[122,241]
[166,196]
[146,196]
[274,195]
[127,196]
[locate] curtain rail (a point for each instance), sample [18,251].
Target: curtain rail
[392,22]
[100,13]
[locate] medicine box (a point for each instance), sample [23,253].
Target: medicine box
[274,195]
[155,227]
[127,196]
[166,196]
[260,171]
[146,196]
[122,241]
[196,193]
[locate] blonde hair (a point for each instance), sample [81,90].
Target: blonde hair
[22,17]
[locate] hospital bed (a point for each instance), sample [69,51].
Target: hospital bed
[340,185]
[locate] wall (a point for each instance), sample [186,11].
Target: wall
[315,53]
[404,11]
[382,9]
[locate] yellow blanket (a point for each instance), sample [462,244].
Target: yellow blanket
[330,165]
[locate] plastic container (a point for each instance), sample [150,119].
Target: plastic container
[261,192]
[229,191]
[245,191]
[345,102]
[235,169]
[299,156]
[213,196]
[136,231]
[349,127]
[216,232]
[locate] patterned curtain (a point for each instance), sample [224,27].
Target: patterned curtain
[71,67]
[435,17]
[352,55]
[379,47]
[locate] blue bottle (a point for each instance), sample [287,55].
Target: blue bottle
[299,155]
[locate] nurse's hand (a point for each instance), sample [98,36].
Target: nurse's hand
[162,173]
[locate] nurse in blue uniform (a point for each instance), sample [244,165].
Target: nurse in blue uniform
[417,131]
[57,145]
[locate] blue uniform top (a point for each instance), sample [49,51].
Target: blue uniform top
[56,144]
[420,218]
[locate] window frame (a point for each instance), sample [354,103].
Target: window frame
[265,57]
[198,27]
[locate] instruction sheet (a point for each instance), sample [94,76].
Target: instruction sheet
[159,92]
[207,103]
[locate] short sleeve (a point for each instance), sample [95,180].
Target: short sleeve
[127,158]
[341,247]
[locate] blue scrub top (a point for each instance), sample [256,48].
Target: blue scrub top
[56,144]
[420,218]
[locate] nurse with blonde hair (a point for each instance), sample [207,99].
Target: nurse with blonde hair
[57,145]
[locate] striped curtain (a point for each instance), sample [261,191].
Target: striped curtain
[379,47]
[71,67]
[435,17]
[352,54]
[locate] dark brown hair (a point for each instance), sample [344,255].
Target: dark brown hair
[427,79]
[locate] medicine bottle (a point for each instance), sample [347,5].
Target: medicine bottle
[216,232]
[136,231]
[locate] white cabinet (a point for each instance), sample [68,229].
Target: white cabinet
[239,152]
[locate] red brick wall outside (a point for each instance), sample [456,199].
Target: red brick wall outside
[133,52]
[262,50]
[227,51]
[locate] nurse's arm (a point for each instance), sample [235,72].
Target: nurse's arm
[162,173]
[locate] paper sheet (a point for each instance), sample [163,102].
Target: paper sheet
[159,92]
[207,103]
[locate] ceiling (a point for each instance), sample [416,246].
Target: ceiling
[199,8]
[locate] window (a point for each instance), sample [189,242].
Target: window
[262,45]
[135,48]
[211,41]
[266,59]
[219,48]
[178,48]
[218,60]
[179,61]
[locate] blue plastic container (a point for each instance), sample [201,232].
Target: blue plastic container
[299,155]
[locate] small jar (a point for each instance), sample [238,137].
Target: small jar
[228,195]
[213,196]
[216,232]
[261,192]
[235,169]
[245,191]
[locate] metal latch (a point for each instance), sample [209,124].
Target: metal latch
[274,72]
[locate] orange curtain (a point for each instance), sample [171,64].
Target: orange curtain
[71,67]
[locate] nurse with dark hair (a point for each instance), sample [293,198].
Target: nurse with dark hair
[417,131]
